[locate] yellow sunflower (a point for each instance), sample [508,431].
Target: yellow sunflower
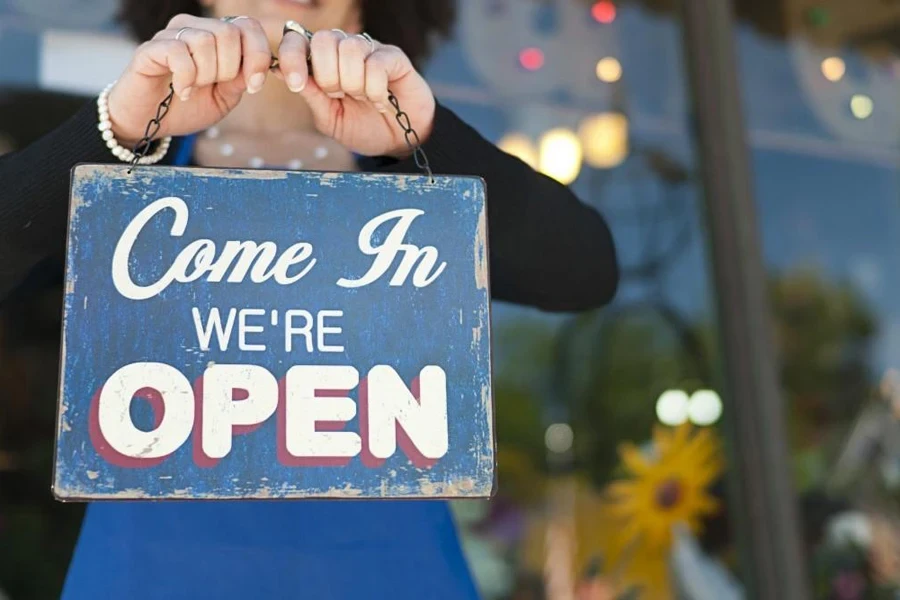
[628,525]
[663,488]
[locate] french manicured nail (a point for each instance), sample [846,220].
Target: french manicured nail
[380,107]
[296,82]
[336,95]
[186,93]
[256,82]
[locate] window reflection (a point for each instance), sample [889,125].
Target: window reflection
[820,91]
[607,489]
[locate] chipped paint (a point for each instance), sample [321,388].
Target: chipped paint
[76,202]
[329,179]
[328,209]
[481,258]
[463,487]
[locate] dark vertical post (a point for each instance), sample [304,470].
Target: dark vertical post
[766,516]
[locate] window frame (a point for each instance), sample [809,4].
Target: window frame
[763,502]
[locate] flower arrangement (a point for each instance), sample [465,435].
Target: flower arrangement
[664,488]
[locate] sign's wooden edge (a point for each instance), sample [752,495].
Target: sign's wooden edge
[66,494]
[263,173]
[492,492]
[110,498]
[56,489]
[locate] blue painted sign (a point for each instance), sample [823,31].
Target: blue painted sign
[270,334]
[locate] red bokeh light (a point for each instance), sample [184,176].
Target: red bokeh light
[604,12]
[531,58]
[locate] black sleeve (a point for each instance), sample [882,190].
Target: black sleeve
[547,248]
[34,194]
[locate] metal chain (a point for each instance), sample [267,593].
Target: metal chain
[142,148]
[412,138]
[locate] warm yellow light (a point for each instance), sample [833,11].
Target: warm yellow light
[605,139]
[833,68]
[609,70]
[560,155]
[861,106]
[521,146]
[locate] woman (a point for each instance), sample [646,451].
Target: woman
[547,250]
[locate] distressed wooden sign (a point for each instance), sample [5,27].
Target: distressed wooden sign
[256,334]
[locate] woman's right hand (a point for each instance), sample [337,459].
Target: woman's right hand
[210,66]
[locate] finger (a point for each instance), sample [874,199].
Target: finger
[325,62]
[202,46]
[228,42]
[383,66]
[393,60]
[256,54]
[228,50]
[292,63]
[317,100]
[377,86]
[173,57]
[352,54]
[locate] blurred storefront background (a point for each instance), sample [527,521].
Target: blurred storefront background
[614,464]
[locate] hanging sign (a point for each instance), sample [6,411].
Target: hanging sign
[234,334]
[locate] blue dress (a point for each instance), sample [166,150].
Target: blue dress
[319,550]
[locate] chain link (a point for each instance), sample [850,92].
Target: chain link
[142,148]
[412,138]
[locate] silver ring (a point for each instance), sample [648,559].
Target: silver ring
[181,32]
[233,19]
[369,39]
[297,28]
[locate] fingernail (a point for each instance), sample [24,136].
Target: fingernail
[380,107]
[256,83]
[336,95]
[186,93]
[296,82]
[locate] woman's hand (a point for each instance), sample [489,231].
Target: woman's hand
[348,90]
[210,64]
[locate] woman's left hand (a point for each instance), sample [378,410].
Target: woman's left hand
[348,90]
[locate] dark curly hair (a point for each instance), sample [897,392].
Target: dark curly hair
[410,24]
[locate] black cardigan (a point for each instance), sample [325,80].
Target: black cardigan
[547,249]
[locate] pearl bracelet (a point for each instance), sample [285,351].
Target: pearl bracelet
[119,151]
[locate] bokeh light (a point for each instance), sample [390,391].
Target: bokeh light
[560,155]
[609,70]
[672,407]
[520,146]
[704,407]
[531,59]
[559,437]
[861,106]
[833,68]
[604,138]
[604,12]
